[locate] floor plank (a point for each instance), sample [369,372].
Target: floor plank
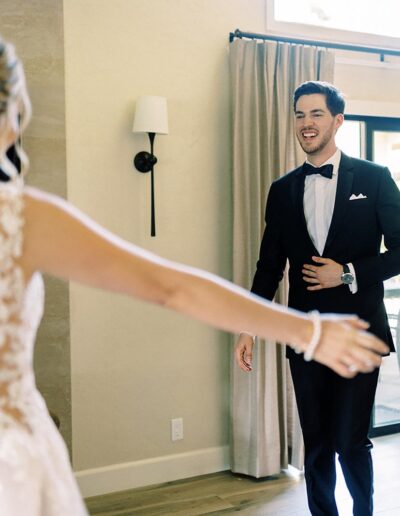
[224,493]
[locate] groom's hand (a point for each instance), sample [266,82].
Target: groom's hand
[244,352]
[327,274]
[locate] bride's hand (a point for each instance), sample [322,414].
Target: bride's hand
[346,346]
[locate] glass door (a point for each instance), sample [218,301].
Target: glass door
[385,146]
[378,139]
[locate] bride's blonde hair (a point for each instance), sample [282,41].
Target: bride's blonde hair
[13,89]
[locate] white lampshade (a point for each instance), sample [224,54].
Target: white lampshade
[151,115]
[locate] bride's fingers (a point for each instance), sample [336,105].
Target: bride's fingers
[343,370]
[348,349]
[355,322]
[359,336]
[363,359]
[350,365]
[364,338]
[369,341]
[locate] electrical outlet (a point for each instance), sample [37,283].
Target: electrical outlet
[177,429]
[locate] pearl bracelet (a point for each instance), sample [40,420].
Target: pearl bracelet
[316,336]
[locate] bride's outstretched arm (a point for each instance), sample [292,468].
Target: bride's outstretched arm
[61,241]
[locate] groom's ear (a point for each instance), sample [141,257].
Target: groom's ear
[339,119]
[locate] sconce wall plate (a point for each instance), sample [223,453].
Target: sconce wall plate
[143,161]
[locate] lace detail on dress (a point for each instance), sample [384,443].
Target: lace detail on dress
[12,352]
[34,462]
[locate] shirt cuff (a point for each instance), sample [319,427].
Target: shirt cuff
[248,334]
[353,286]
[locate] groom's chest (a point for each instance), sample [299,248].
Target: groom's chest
[348,210]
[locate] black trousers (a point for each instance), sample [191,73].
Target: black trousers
[335,415]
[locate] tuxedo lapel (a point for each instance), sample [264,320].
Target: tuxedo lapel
[344,184]
[297,192]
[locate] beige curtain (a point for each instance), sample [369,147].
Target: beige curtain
[265,429]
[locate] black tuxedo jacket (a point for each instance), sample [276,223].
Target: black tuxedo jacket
[355,236]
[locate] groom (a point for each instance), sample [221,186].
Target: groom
[327,218]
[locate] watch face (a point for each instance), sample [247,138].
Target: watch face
[347,278]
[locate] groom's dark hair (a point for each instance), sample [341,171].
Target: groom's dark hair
[334,98]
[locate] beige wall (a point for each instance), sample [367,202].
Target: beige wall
[134,367]
[369,83]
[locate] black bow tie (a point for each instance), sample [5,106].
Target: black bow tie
[325,170]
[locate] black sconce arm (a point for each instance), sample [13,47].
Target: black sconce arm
[144,162]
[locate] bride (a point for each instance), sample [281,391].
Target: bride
[42,233]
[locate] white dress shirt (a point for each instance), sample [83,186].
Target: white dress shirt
[318,203]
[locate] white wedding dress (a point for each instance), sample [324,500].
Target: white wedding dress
[36,478]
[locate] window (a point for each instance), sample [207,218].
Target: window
[357,22]
[351,138]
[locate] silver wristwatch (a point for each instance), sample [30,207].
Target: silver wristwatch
[347,277]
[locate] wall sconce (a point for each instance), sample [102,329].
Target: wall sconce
[150,117]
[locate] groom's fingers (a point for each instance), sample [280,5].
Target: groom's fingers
[244,357]
[310,280]
[320,259]
[317,287]
[310,270]
[239,354]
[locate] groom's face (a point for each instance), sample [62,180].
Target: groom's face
[315,125]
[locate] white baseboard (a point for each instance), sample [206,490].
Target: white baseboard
[129,475]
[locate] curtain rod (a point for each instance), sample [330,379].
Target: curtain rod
[341,46]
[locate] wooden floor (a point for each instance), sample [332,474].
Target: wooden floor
[224,493]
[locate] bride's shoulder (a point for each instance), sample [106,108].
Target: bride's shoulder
[34,194]
[27,203]
[37,200]
[47,204]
